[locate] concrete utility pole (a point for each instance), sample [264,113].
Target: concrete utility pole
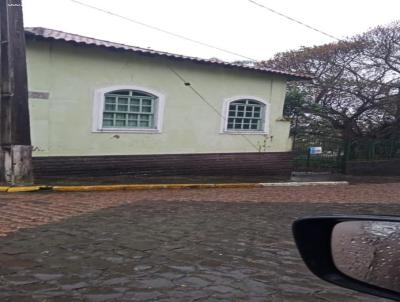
[15,139]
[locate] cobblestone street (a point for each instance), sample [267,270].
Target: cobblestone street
[171,245]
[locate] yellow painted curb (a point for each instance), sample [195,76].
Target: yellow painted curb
[4,189]
[27,189]
[158,186]
[238,185]
[152,187]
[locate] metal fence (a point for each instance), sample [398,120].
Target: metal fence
[335,152]
[369,149]
[330,159]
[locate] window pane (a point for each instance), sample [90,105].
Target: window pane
[109,107]
[108,123]
[120,123]
[108,115]
[134,109]
[123,101]
[132,123]
[146,102]
[256,114]
[110,100]
[246,126]
[257,109]
[120,92]
[132,116]
[240,108]
[139,93]
[238,126]
[144,117]
[240,113]
[120,116]
[122,107]
[254,126]
[144,124]
[146,109]
[248,114]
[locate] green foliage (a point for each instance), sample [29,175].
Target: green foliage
[294,102]
[356,88]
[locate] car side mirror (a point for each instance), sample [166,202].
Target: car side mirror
[356,252]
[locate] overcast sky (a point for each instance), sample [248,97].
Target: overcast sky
[235,25]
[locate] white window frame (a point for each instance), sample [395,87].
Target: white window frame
[98,109]
[225,114]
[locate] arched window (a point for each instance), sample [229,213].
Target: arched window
[246,115]
[128,110]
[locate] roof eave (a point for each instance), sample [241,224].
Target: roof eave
[289,76]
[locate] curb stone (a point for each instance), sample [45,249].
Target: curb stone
[308,183]
[10,189]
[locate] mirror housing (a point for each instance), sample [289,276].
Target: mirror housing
[313,237]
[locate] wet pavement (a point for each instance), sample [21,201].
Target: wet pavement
[171,251]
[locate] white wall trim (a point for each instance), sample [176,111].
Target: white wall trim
[98,108]
[225,109]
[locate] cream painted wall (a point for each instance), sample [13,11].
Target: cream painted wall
[62,125]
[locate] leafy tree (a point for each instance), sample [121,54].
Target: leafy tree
[382,52]
[354,85]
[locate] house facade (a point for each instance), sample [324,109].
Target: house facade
[92,100]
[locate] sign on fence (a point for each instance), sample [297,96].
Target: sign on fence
[315,150]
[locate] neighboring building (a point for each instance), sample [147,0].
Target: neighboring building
[93,101]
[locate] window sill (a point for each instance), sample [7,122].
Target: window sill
[122,130]
[244,132]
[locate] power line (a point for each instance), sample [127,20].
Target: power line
[161,30]
[314,29]
[203,43]
[187,84]
[293,20]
